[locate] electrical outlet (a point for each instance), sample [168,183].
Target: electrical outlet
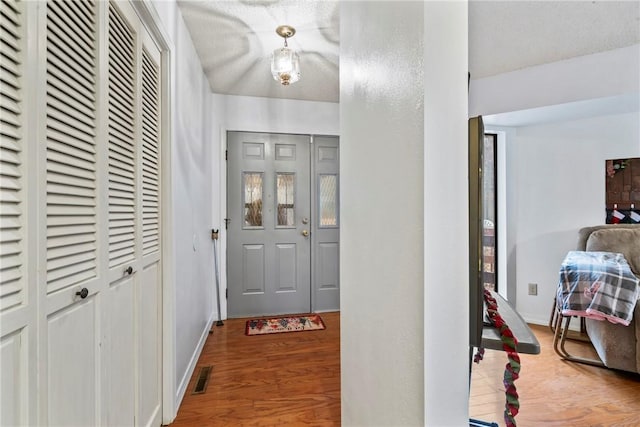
[533,289]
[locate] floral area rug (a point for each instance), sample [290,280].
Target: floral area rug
[276,325]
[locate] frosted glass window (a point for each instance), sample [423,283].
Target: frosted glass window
[285,183]
[252,183]
[328,201]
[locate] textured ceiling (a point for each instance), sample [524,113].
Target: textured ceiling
[234,39]
[510,35]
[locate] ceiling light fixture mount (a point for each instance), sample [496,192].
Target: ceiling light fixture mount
[285,31]
[285,62]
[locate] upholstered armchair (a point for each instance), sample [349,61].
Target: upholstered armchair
[617,346]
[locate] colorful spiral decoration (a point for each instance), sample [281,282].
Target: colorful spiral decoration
[512,369]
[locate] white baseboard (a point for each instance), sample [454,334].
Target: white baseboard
[534,320]
[184,381]
[573,326]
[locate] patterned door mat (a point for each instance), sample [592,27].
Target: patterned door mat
[276,325]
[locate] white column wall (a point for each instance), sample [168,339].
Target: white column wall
[446,219]
[404,295]
[381,249]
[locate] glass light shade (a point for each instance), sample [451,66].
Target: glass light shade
[285,66]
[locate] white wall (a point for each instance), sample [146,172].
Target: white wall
[446,226]
[600,75]
[590,107]
[247,113]
[192,174]
[403,124]
[559,175]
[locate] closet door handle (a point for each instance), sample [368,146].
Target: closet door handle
[129,270]
[82,293]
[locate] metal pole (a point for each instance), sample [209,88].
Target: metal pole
[214,237]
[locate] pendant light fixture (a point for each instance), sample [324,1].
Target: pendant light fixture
[285,63]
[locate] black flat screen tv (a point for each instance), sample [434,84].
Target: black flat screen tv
[476,209]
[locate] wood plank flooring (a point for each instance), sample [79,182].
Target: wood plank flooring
[293,379]
[289,379]
[554,392]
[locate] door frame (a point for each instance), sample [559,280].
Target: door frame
[222,203]
[222,254]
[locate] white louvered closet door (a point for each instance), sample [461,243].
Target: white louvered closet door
[80,241]
[121,295]
[70,331]
[149,314]
[16,308]
[133,299]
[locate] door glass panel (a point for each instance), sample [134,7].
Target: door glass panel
[252,183]
[285,183]
[328,204]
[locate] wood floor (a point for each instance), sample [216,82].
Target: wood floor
[290,379]
[557,393]
[293,379]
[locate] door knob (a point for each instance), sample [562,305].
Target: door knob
[305,233]
[82,293]
[129,270]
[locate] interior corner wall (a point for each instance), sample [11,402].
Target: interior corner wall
[559,176]
[193,139]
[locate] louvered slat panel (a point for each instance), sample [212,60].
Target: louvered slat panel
[11,152]
[56,79]
[70,150]
[56,253]
[70,220]
[121,141]
[66,63]
[73,229]
[71,144]
[66,159]
[10,12]
[150,149]
[119,147]
[62,122]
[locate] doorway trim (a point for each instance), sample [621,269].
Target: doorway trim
[223,207]
[222,203]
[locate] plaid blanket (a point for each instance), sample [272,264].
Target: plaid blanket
[598,285]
